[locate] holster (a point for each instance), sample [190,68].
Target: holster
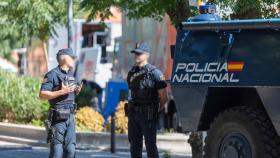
[128,108]
[152,112]
[48,126]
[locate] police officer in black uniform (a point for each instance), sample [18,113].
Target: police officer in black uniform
[147,88]
[59,87]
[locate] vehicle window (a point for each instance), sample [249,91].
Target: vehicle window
[201,44]
[263,43]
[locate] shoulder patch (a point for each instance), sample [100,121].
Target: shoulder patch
[71,78]
[45,80]
[162,78]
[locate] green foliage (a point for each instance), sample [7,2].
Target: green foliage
[85,97]
[5,50]
[21,20]
[34,17]
[248,9]
[37,122]
[166,155]
[177,10]
[19,100]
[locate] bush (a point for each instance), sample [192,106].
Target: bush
[89,119]
[85,96]
[19,100]
[121,119]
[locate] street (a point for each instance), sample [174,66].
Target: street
[14,150]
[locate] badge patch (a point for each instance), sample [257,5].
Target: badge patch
[71,78]
[137,74]
[162,77]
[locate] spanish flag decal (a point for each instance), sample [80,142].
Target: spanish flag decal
[235,66]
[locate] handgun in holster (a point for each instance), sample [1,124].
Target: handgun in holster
[48,126]
[152,112]
[128,108]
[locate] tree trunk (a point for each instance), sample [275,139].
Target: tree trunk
[45,52]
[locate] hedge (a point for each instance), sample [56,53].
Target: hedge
[19,101]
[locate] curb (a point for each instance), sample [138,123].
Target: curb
[36,136]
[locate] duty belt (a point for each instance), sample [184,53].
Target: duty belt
[143,108]
[151,111]
[72,109]
[145,102]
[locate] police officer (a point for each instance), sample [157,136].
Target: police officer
[148,94]
[59,87]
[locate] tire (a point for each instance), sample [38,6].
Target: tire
[242,132]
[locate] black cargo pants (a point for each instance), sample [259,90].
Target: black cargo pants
[139,126]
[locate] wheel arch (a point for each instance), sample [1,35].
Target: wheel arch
[221,98]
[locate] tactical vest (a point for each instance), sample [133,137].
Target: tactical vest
[142,85]
[65,100]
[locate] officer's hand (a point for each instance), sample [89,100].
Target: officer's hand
[79,88]
[67,88]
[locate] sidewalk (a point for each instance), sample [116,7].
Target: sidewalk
[14,150]
[35,136]
[11,146]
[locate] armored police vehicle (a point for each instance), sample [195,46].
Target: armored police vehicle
[226,80]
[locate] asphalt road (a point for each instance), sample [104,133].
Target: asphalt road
[13,150]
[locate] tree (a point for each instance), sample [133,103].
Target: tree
[24,19]
[178,10]
[8,36]
[247,9]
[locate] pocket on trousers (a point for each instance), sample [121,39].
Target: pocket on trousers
[58,135]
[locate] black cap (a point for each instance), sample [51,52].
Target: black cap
[66,51]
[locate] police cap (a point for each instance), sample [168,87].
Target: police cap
[142,48]
[66,51]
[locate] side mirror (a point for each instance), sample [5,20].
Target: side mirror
[227,39]
[172,50]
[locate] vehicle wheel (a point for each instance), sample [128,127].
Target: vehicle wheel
[242,132]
